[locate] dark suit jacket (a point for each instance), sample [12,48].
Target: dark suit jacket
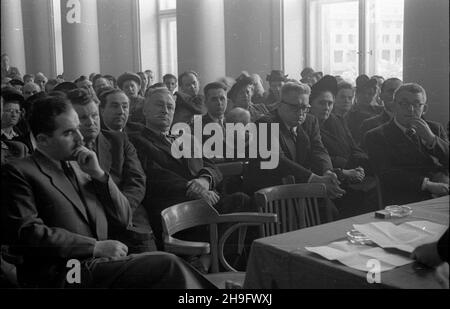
[341,147]
[401,165]
[372,123]
[357,115]
[118,157]
[299,158]
[167,176]
[187,107]
[46,221]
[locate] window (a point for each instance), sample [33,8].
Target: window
[338,56]
[368,25]
[351,38]
[168,36]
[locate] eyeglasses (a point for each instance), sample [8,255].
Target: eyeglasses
[297,108]
[415,106]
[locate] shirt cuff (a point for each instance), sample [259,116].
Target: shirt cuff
[424,183]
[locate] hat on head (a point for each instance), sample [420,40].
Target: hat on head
[240,83]
[65,87]
[326,83]
[128,76]
[277,75]
[10,94]
[15,82]
[363,82]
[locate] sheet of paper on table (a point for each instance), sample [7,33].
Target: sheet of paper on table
[358,256]
[406,236]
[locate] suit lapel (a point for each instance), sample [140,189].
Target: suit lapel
[303,144]
[94,211]
[162,144]
[404,145]
[59,180]
[104,153]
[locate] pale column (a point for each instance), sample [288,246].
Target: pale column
[80,38]
[12,33]
[38,31]
[201,38]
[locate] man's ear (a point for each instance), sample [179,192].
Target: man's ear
[425,109]
[42,139]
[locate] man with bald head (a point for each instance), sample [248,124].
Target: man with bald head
[410,154]
[172,180]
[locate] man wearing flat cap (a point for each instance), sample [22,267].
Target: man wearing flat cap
[366,90]
[130,83]
[276,80]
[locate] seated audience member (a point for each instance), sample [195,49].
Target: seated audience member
[114,109]
[350,163]
[12,112]
[336,137]
[344,99]
[28,78]
[40,79]
[29,89]
[366,89]
[130,83]
[241,94]
[188,100]
[307,77]
[259,93]
[150,77]
[60,79]
[276,80]
[302,153]
[115,154]
[380,80]
[144,83]
[100,82]
[170,81]
[172,180]
[387,96]
[65,87]
[11,149]
[433,254]
[85,83]
[409,154]
[7,69]
[50,85]
[112,80]
[59,204]
[17,84]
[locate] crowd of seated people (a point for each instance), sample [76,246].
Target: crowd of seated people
[101,149]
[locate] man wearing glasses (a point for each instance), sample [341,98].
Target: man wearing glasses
[410,154]
[302,153]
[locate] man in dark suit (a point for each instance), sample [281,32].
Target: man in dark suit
[58,206]
[188,100]
[302,153]
[387,96]
[409,154]
[172,180]
[116,155]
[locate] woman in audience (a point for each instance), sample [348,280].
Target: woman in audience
[350,163]
[241,94]
[344,99]
[144,83]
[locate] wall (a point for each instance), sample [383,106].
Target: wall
[426,52]
[253,36]
[118,35]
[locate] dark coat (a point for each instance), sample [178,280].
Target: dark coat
[299,158]
[402,165]
[357,115]
[47,222]
[341,147]
[372,123]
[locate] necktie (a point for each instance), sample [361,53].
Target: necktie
[70,174]
[294,134]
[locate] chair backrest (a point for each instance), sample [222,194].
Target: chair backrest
[196,213]
[296,206]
